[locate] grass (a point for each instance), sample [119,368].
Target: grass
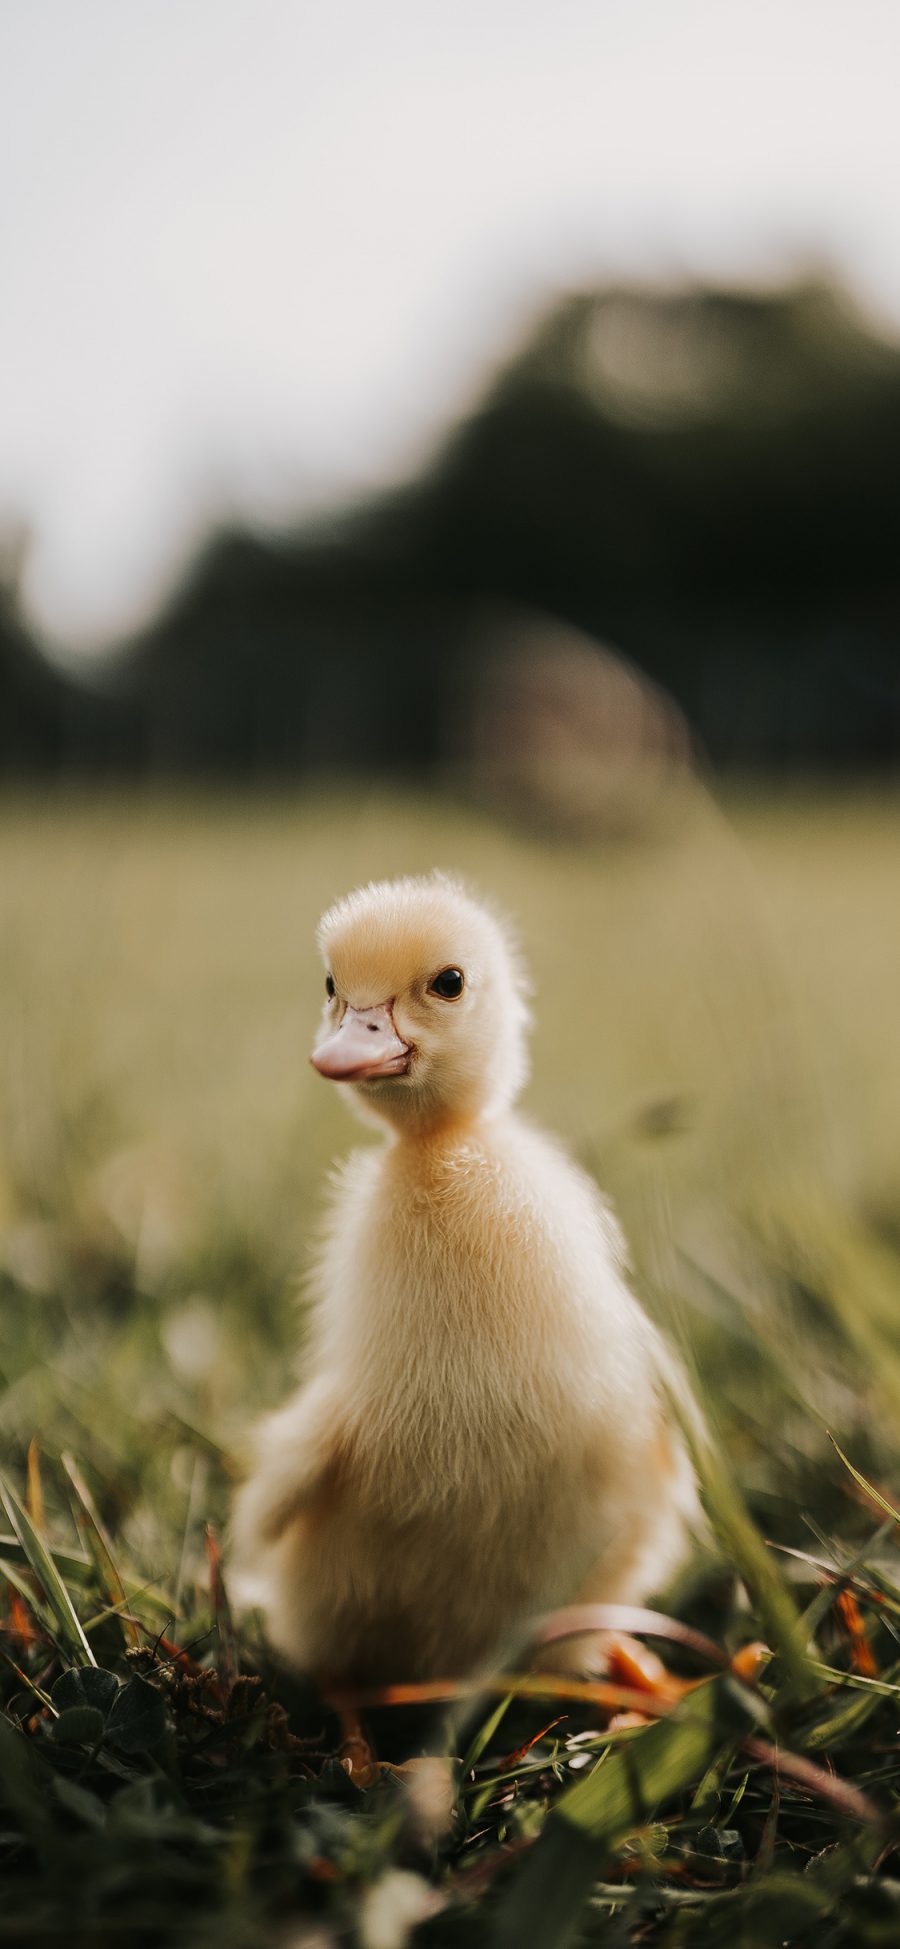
[716,1037]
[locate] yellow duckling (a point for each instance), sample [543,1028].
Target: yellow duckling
[484,1432]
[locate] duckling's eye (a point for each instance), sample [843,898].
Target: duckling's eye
[449,984]
[329,986]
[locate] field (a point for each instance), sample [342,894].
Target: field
[716,1036]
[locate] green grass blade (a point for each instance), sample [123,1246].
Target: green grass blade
[19,1582]
[483,1736]
[745,1548]
[849,1715]
[625,1787]
[49,1580]
[100,1547]
[79,1569]
[36,1691]
[868,1489]
[822,1602]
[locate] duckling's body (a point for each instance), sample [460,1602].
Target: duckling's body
[484,1433]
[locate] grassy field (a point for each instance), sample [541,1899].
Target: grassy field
[716,1035]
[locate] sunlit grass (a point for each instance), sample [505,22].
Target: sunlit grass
[715,1035]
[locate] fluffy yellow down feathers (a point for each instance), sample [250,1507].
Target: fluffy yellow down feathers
[483,1432]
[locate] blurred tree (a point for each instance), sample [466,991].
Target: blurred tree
[705,479]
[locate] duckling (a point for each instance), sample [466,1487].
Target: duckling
[484,1432]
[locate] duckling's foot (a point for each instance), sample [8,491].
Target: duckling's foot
[621,1660]
[628,1662]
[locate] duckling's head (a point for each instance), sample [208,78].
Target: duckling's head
[425,1010]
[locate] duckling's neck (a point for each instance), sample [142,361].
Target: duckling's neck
[442,1130]
[413,1119]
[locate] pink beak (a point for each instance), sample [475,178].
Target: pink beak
[365,1045]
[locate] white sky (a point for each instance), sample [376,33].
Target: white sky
[256,254]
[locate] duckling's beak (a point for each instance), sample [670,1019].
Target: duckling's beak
[366,1045]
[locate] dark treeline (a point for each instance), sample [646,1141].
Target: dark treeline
[706,481]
